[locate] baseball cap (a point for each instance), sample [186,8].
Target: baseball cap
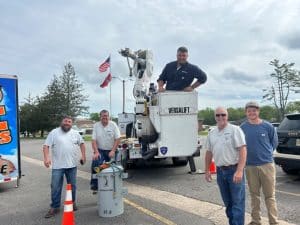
[252,104]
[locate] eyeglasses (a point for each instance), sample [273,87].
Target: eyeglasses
[222,114]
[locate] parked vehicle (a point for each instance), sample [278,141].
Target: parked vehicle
[287,154]
[275,124]
[81,131]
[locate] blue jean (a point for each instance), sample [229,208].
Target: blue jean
[57,180]
[95,163]
[233,195]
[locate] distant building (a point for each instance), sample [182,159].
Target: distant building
[85,125]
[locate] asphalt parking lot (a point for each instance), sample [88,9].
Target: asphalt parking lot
[158,194]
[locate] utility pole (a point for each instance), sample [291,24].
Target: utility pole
[123,83]
[123,96]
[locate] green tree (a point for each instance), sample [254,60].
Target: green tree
[94,116]
[63,96]
[53,103]
[293,107]
[236,114]
[73,92]
[32,117]
[207,115]
[284,79]
[26,116]
[269,113]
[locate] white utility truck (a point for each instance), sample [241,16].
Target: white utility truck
[164,125]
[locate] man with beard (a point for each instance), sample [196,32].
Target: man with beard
[179,75]
[64,143]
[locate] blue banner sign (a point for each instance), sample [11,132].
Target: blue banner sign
[9,129]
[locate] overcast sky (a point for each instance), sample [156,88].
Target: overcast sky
[232,41]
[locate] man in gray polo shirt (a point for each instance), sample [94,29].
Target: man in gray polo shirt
[226,144]
[105,141]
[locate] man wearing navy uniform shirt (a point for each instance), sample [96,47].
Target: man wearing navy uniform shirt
[179,75]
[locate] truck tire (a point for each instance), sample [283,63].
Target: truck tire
[287,170]
[180,161]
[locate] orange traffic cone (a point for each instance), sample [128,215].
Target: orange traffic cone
[212,167]
[68,216]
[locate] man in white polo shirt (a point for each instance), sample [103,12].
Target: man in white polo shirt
[105,141]
[226,144]
[64,144]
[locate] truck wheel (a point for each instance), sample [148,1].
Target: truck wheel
[287,170]
[180,161]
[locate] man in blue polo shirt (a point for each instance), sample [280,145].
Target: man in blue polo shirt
[179,75]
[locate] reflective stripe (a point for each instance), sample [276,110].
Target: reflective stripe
[69,195]
[68,207]
[69,187]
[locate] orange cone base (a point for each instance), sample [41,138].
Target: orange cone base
[213,168]
[68,218]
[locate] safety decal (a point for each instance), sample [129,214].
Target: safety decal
[163,150]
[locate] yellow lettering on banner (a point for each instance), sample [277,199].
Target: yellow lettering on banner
[5,136]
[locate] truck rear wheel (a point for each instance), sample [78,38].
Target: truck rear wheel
[180,161]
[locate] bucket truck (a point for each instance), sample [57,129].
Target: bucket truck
[163,125]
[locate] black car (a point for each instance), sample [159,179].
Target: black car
[287,154]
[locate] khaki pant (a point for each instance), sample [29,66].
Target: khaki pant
[262,177]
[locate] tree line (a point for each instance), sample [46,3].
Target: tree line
[267,112]
[63,96]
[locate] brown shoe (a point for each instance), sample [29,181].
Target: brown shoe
[52,212]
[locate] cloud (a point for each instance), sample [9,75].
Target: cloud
[232,41]
[238,77]
[291,40]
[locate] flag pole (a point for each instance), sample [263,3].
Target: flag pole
[110,112]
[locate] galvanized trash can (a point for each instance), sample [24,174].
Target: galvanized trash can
[111,191]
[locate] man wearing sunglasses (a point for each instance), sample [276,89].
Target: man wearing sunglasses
[226,144]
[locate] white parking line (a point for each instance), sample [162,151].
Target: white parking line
[213,212]
[288,193]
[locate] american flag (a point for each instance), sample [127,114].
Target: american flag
[106,81]
[104,66]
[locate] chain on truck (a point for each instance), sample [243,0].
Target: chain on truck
[163,125]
